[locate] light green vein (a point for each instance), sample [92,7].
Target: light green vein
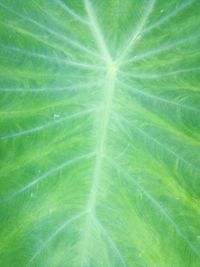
[102,132]
[137,31]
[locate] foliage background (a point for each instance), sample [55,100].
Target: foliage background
[99,140]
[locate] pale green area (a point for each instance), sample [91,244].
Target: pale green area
[100,133]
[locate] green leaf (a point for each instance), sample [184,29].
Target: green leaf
[100,133]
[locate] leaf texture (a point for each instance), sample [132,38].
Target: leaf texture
[100,133]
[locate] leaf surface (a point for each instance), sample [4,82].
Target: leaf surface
[99,143]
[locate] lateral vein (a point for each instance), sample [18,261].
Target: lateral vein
[97,32]
[155,203]
[131,42]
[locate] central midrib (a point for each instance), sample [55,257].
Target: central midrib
[98,166]
[102,132]
[102,136]
[111,72]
